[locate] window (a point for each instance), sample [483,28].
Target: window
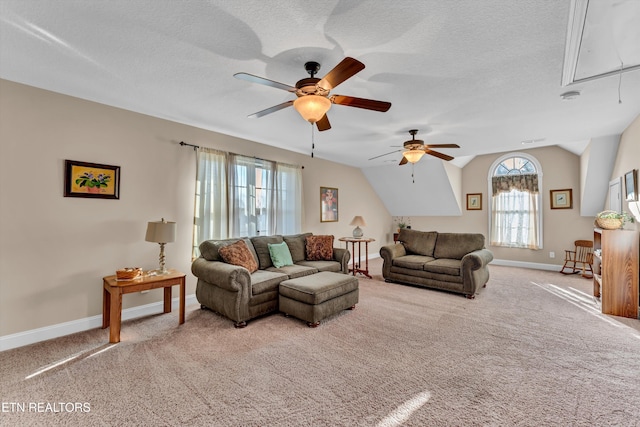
[515,182]
[243,196]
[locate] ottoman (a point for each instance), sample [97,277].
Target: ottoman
[318,296]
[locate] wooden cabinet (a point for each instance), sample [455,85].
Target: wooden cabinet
[616,271]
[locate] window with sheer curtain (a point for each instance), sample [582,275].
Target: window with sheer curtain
[516,221]
[244,196]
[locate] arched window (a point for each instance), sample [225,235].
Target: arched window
[515,186]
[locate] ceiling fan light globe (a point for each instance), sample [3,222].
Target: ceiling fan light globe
[413,156]
[312,107]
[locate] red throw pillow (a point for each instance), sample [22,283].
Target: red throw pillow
[238,253]
[319,248]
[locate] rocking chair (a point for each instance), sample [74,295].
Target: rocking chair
[583,255]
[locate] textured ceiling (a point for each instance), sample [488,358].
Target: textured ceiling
[482,74]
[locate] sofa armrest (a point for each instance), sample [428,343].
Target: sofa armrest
[475,272]
[343,256]
[226,276]
[388,253]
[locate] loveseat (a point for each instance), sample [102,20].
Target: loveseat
[242,285]
[455,262]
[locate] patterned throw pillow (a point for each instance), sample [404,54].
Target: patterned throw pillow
[319,248]
[238,253]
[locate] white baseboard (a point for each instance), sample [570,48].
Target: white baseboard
[20,339]
[523,264]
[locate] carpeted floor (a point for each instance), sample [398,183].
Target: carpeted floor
[531,350]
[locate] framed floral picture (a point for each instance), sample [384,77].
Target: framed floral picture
[631,185]
[91,180]
[474,202]
[561,199]
[328,204]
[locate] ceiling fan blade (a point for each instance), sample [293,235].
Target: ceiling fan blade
[270,110]
[261,80]
[367,104]
[323,123]
[386,154]
[437,154]
[404,161]
[348,67]
[442,146]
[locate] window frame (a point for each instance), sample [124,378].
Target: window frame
[490,175]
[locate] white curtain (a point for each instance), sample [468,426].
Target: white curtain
[210,217]
[288,207]
[515,219]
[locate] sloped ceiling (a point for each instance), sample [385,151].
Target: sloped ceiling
[485,75]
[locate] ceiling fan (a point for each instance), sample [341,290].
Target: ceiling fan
[313,100]
[414,149]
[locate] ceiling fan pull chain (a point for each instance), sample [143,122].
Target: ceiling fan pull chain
[413,178]
[313,141]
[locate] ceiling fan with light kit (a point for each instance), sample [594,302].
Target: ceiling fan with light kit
[414,149]
[313,98]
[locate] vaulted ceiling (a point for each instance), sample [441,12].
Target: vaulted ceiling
[486,75]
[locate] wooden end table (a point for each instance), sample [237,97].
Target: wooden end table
[356,267]
[114,289]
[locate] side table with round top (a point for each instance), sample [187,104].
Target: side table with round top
[356,267]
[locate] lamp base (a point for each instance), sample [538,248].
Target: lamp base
[158,272]
[357,233]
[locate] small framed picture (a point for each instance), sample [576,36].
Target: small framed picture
[91,180]
[631,185]
[474,202]
[328,204]
[561,199]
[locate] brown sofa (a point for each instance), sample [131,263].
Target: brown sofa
[239,295]
[455,262]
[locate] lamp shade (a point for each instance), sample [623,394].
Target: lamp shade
[161,231]
[413,156]
[358,221]
[312,107]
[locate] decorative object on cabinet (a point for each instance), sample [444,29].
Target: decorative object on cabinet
[358,221]
[91,180]
[631,185]
[328,204]
[580,259]
[474,202]
[612,220]
[562,199]
[615,271]
[161,232]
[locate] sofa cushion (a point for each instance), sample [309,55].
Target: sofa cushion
[413,262]
[266,281]
[334,266]
[260,243]
[280,255]
[443,266]
[319,248]
[296,245]
[209,248]
[293,271]
[457,245]
[418,242]
[238,253]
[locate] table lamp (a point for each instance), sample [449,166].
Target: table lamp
[161,232]
[358,221]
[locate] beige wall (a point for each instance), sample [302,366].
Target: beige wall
[628,159]
[54,250]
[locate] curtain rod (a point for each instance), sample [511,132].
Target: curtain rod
[195,147]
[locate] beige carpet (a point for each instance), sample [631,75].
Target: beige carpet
[531,350]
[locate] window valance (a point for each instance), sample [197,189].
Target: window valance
[506,183]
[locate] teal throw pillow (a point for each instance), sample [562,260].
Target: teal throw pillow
[280,254]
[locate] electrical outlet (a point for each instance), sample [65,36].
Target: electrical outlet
[552,254]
